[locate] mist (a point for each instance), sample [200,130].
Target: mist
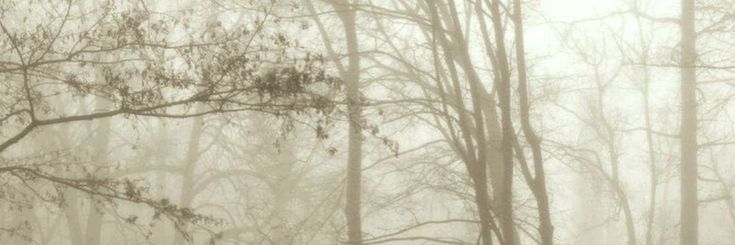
[365,122]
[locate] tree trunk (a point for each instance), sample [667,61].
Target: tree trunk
[101,140]
[351,77]
[473,156]
[688,133]
[187,174]
[506,147]
[538,183]
[653,178]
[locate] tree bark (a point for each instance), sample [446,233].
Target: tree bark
[351,77]
[688,130]
[346,13]
[538,183]
[506,147]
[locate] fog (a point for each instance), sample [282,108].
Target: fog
[367,122]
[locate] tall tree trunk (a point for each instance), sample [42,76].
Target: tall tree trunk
[506,147]
[494,130]
[101,141]
[688,133]
[474,158]
[187,174]
[72,200]
[653,178]
[482,199]
[538,183]
[351,77]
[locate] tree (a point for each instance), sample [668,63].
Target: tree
[688,129]
[346,11]
[537,183]
[472,146]
[502,84]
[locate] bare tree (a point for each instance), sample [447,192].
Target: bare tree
[537,183]
[347,12]
[502,83]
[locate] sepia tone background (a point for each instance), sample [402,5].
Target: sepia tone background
[367,122]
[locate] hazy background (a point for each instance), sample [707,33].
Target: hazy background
[366,122]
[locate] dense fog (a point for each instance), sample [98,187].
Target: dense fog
[362,122]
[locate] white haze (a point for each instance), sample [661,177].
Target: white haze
[239,121]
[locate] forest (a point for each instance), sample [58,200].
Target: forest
[366,122]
